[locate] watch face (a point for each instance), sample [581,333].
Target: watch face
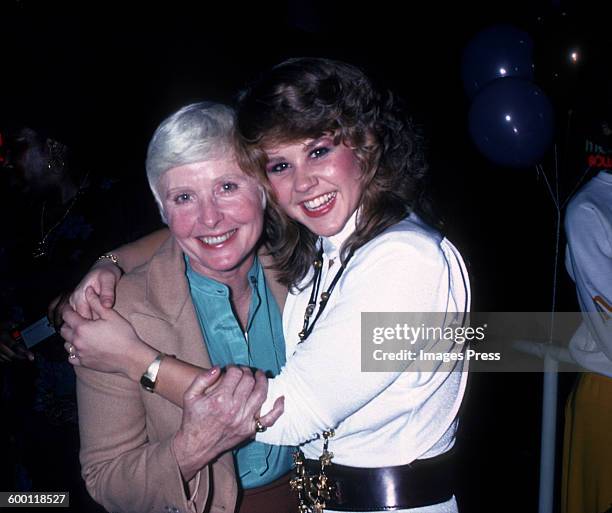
[147,383]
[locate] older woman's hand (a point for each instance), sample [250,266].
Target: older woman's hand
[106,344]
[216,419]
[102,278]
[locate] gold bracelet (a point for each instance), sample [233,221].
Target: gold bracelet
[113,258]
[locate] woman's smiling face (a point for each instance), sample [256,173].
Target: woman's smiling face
[215,212]
[317,183]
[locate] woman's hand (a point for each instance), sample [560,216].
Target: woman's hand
[108,343]
[102,278]
[217,418]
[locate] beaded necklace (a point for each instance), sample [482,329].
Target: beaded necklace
[318,266]
[314,490]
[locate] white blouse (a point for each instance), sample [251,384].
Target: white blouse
[380,418]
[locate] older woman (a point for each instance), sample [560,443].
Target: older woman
[203,298]
[344,164]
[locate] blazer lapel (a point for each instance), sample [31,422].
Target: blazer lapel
[172,322]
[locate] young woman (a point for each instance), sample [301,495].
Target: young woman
[343,165]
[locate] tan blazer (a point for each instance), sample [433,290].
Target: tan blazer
[126,432]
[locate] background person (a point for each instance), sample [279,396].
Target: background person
[587,472]
[58,214]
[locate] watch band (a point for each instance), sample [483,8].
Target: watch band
[149,379]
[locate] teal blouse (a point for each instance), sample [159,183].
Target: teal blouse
[262,346]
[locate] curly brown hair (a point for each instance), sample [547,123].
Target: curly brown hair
[305,98]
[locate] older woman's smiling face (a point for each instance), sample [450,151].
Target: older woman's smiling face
[215,212]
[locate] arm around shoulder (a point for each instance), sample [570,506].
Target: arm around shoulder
[140,251]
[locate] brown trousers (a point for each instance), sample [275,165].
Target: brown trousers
[587,452]
[275,497]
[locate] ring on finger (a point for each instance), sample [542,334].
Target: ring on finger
[259,427]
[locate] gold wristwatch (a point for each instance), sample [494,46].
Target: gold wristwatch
[149,379]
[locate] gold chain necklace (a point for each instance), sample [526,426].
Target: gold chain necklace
[42,246]
[314,490]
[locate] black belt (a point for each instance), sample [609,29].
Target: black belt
[420,483]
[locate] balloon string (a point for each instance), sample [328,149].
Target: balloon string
[552,195]
[557,243]
[556,176]
[555,275]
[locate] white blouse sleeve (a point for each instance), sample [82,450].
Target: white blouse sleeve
[588,260]
[322,381]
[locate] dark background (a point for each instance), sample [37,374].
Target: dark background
[102,77]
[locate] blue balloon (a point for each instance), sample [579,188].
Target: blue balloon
[497,52]
[511,121]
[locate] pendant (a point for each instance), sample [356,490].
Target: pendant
[309,310]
